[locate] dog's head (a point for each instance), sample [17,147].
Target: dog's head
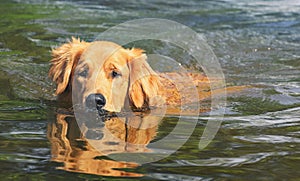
[103,74]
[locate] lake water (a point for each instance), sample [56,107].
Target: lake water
[257,43]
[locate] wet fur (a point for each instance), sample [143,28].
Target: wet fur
[144,84]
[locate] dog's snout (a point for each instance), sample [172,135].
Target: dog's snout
[95,100]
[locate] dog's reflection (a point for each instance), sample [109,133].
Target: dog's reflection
[84,148]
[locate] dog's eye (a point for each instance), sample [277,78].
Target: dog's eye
[115,74]
[83,73]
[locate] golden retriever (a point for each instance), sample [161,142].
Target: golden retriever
[104,73]
[109,77]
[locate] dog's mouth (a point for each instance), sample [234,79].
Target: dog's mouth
[102,112]
[96,110]
[92,115]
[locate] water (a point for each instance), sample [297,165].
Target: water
[257,43]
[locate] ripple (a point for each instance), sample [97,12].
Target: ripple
[289,117]
[23,158]
[25,135]
[175,177]
[268,139]
[288,88]
[230,161]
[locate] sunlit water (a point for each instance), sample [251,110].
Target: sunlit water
[257,43]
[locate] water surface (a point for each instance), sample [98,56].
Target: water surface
[257,43]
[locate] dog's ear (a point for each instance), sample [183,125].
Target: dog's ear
[64,61]
[145,84]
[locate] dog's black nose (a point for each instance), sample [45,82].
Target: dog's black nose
[95,101]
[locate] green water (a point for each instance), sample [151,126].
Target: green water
[257,43]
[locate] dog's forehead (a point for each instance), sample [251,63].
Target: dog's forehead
[100,51]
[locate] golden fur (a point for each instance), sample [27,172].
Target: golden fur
[122,76]
[100,59]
